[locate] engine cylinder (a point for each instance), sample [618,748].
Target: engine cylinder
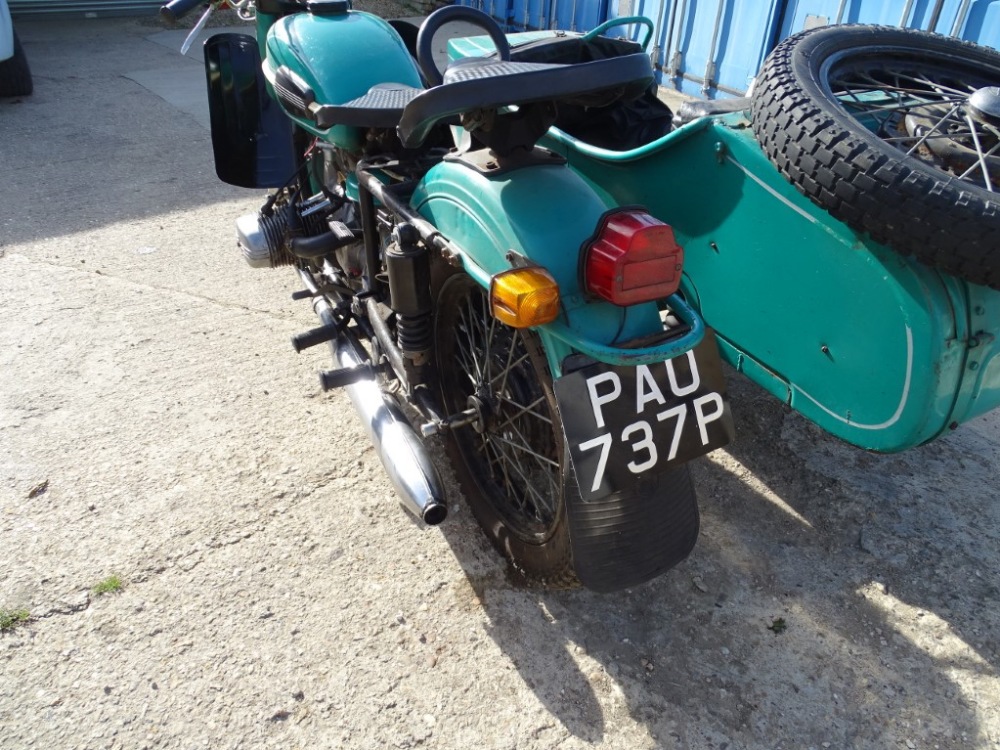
[263,238]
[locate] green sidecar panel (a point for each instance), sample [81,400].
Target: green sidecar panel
[340,57]
[873,347]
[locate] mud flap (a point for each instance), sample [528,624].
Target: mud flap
[251,136]
[631,537]
[630,432]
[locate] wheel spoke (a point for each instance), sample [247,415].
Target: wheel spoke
[987,155]
[506,370]
[851,87]
[979,153]
[467,361]
[471,325]
[524,448]
[488,374]
[939,137]
[528,484]
[868,107]
[937,86]
[923,138]
[498,459]
[529,409]
[881,123]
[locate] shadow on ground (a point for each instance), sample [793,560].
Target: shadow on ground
[811,593]
[92,146]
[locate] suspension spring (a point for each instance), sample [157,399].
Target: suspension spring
[414,334]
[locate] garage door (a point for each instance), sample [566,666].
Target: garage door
[88,8]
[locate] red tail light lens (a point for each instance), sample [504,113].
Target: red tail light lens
[635,258]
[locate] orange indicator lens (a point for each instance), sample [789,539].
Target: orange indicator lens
[524,297]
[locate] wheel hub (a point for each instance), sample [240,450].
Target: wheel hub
[984,105]
[480,404]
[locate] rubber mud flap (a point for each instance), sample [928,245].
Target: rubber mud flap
[251,136]
[632,536]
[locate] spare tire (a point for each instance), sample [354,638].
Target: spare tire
[896,133]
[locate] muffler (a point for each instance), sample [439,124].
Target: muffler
[400,450]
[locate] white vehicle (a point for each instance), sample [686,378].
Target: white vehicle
[15,76]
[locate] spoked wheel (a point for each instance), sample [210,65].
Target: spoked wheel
[509,458]
[896,133]
[928,112]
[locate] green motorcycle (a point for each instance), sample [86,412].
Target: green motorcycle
[519,254]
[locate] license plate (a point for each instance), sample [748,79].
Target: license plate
[624,422]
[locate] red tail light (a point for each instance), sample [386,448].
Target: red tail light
[634,258]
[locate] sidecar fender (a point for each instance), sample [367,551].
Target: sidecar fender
[543,214]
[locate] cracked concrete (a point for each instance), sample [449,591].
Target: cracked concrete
[275,595]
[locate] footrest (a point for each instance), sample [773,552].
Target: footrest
[341,231]
[345,376]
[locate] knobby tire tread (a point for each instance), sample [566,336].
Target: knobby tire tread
[866,183]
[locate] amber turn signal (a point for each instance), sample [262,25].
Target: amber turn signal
[524,297]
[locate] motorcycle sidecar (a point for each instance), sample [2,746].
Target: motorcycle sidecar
[874,347]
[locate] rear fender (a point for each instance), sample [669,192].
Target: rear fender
[543,214]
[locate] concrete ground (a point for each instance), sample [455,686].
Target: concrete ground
[156,426]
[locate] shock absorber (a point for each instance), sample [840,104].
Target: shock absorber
[408,265]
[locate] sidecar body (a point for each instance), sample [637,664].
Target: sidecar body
[872,346]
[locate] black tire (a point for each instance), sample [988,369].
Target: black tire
[15,75]
[511,463]
[812,111]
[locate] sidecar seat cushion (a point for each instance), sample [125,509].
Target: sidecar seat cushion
[483,83]
[381,107]
[620,126]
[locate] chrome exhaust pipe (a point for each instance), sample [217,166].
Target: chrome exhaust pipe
[400,450]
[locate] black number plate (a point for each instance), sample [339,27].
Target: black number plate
[622,422]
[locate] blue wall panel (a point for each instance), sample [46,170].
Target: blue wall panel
[722,42]
[982,24]
[725,41]
[975,20]
[530,15]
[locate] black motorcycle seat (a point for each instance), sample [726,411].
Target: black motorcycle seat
[485,83]
[381,107]
[470,84]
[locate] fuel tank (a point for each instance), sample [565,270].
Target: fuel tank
[340,57]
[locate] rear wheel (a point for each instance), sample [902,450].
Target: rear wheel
[510,460]
[15,76]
